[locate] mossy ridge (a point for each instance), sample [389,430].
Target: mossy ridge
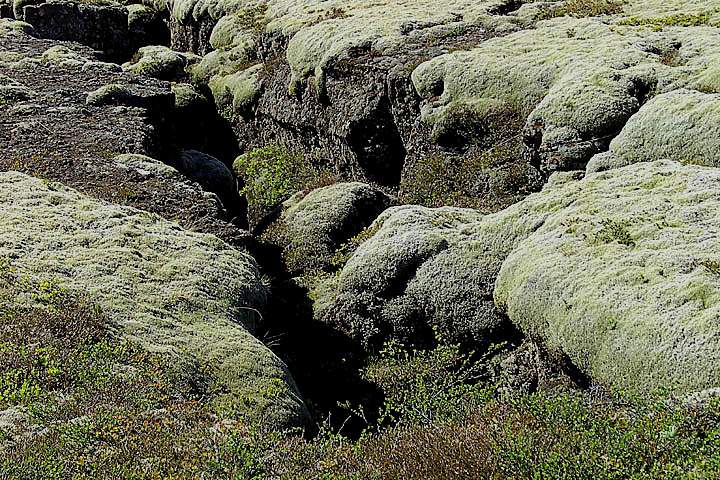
[582,8]
[197,306]
[320,35]
[672,13]
[680,125]
[624,297]
[574,97]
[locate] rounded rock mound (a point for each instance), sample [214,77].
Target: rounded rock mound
[186,295]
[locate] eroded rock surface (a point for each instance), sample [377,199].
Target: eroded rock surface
[66,117]
[332,80]
[111,27]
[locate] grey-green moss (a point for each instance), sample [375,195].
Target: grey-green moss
[8,26]
[187,295]
[618,271]
[315,225]
[236,93]
[415,272]
[160,62]
[618,280]
[574,95]
[683,125]
[320,34]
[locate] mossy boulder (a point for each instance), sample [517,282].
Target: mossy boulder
[214,176]
[127,94]
[417,271]
[159,62]
[623,277]
[683,125]
[185,295]
[617,272]
[425,269]
[314,225]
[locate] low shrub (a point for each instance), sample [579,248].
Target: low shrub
[271,174]
[99,407]
[583,8]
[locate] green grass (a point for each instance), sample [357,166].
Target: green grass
[99,407]
[443,419]
[613,231]
[487,181]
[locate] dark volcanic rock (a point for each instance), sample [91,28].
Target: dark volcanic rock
[6,10]
[146,26]
[103,27]
[50,131]
[116,30]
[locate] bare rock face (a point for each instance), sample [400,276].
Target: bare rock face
[110,27]
[103,27]
[6,10]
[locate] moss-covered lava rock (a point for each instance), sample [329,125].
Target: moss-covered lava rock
[186,295]
[680,125]
[623,277]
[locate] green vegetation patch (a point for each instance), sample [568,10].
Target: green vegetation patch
[489,181]
[273,173]
[615,231]
[94,405]
[443,418]
[681,19]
